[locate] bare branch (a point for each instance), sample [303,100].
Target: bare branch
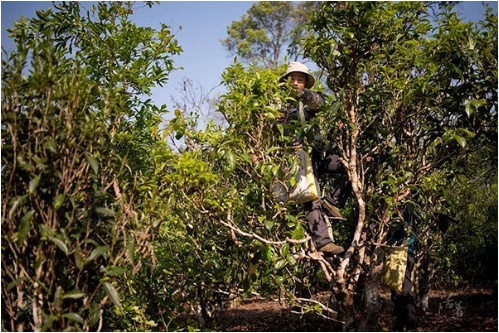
[260,238]
[324,307]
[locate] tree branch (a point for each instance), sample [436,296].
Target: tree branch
[260,238]
[324,307]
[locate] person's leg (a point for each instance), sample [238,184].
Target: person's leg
[317,225]
[330,164]
[412,314]
[318,228]
[398,311]
[411,319]
[340,192]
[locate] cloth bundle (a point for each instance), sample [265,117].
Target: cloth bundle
[393,273]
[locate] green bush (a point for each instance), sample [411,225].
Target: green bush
[75,141]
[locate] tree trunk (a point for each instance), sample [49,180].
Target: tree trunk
[371,289]
[422,281]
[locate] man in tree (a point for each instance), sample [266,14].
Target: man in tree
[323,160]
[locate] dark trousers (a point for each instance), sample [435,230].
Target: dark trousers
[327,163]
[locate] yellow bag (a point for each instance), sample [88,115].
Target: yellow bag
[393,273]
[306,187]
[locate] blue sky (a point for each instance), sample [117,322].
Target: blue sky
[204,24]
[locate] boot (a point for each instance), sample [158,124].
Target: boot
[333,210]
[331,248]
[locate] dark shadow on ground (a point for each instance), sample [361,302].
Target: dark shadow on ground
[448,311]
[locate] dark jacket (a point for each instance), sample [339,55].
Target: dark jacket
[312,101]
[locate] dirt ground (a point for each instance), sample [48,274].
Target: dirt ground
[472,310]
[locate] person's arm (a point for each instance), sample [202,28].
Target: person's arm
[312,99]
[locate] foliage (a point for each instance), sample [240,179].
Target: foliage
[268,30]
[469,250]
[106,226]
[76,217]
[225,236]
[414,91]
[281,258]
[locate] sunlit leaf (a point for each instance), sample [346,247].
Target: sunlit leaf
[33,184]
[51,146]
[73,294]
[59,200]
[94,164]
[96,253]
[25,226]
[60,244]
[104,211]
[74,317]
[16,202]
[112,293]
[280,264]
[115,271]
[460,140]
[269,224]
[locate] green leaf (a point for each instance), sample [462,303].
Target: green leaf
[298,232]
[78,258]
[266,252]
[45,231]
[468,109]
[471,43]
[115,271]
[58,299]
[460,140]
[104,211]
[33,184]
[112,293]
[74,317]
[280,128]
[269,224]
[131,248]
[231,159]
[93,163]
[275,169]
[16,202]
[25,226]
[280,264]
[272,149]
[94,314]
[73,294]
[285,250]
[279,280]
[59,200]
[51,146]
[96,253]
[60,244]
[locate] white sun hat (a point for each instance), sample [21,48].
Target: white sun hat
[299,68]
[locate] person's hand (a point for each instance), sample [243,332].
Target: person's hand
[282,117]
[367,158]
